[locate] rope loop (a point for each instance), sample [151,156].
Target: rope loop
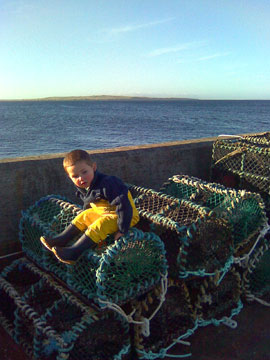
[145,327]
[145,323]
[229,322]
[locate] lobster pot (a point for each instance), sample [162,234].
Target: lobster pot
[40,298]
[68,330]
[216,299]
[124,270]
[81,335]
[256,277]
[51,324]
[245,211]
[48,216]
[15,281]
[105,338]
[10,302]
[116,273]
[243,163]
[20,276]
[8,306]
[261,140]
[196,241]
[244,250]
[174,320]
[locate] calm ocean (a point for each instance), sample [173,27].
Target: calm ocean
[40,127]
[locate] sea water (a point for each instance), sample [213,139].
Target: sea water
[41,127]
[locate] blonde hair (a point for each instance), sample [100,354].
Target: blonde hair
[75,156]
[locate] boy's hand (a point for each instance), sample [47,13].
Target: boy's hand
[118,235]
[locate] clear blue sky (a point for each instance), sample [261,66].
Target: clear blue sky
[207,49]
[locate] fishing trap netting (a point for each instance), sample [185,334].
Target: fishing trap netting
[262,139]
[245,211]
[116,271]
[174,321]
[48,216]
[21,279]
[256,274]
[192,235]
[126,269]
[196,241]
[243,162]
[50,323]
[216,299]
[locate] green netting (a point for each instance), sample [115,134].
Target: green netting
[116,273]
[247,158]
[196,242]
[82,276]
[244,210]
[260,277]
[256,278]
[123,271]
[48,216]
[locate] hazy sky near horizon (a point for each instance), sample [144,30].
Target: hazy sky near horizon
[206,49]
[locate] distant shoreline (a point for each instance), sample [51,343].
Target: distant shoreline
[100,97]
[121,98]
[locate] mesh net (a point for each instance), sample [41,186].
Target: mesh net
[117,273]
[190,225]
[41,296]
[244,210]
[258,139]
[256,278]
[122,271]
[96,343]
[213,299]
[131,267]
[48,216]
[194,240]
[21,278]
[174,318]
[50,323]
[244,161]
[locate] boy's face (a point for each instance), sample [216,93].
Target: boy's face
[81,173]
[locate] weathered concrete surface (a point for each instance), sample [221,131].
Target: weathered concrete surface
[25,180]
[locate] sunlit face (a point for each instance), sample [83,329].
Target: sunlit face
[81,173]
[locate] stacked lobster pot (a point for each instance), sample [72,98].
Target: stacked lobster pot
[49,322]
[243,162]
[199,249]
[245,212]
[115,272]
[109,279]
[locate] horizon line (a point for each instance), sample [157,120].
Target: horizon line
[123,97]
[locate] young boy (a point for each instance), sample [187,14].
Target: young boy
[108,209]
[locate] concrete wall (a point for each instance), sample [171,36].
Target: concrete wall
[25,180]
